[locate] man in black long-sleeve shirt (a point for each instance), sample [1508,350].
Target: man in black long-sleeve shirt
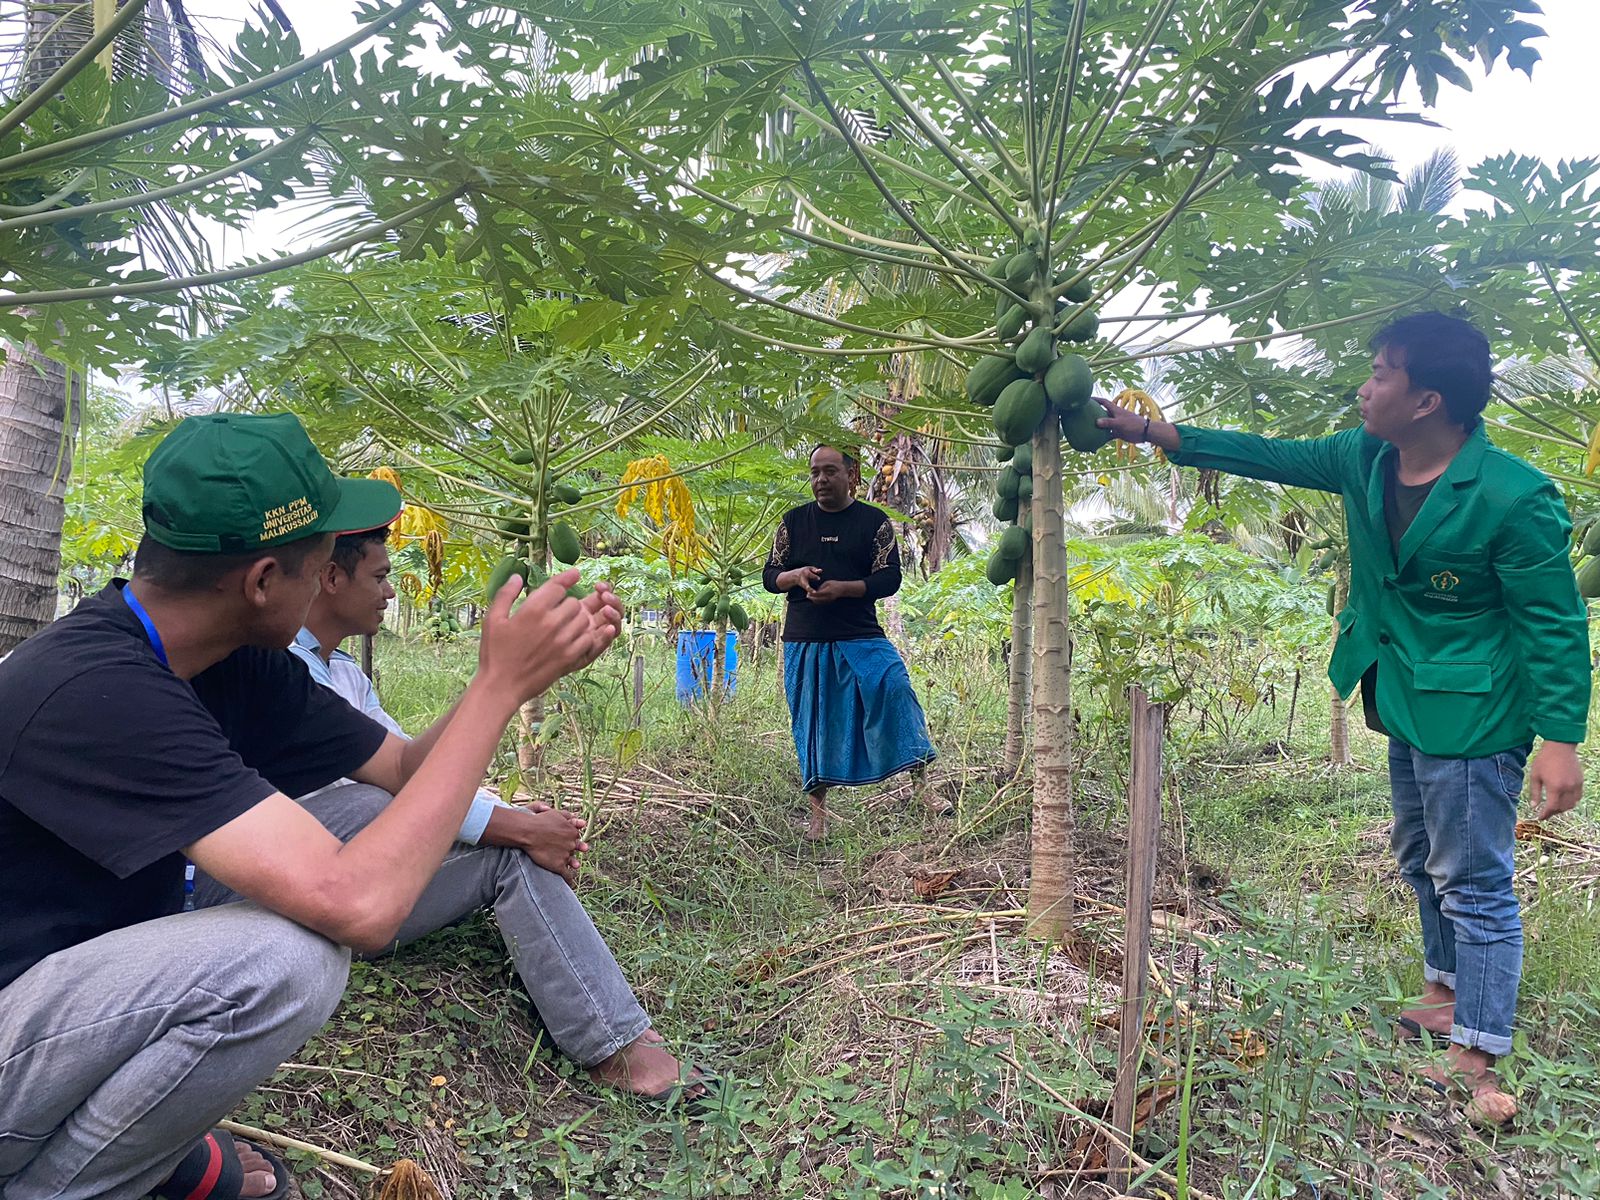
[856,719]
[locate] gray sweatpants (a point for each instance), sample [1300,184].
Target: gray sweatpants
[118,1054]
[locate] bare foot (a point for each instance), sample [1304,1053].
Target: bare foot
[1472,1071]
[1437,1012]
[259,1179]
[645,1068]
[817,828]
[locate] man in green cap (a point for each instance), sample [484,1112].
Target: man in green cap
[163,721]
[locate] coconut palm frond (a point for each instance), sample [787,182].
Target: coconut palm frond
[1430,187]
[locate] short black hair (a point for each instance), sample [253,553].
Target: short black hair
[850,460]
[184,571]
[350,548]
[1442,354]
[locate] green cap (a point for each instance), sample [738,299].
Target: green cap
[230,483]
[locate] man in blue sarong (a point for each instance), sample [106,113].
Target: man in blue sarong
[856,719]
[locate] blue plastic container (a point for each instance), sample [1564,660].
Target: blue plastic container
[694,663]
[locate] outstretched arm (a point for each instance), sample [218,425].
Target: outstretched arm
[1309,463]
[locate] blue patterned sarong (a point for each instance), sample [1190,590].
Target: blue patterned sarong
[856,719]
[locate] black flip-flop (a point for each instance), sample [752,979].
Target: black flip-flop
[212,1171]
[1410,1031]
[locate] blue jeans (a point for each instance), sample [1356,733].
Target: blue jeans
[1454,829]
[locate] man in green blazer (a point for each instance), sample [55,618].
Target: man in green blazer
[1467,636]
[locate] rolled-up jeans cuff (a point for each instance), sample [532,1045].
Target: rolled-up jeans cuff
[1490,1043]
[1434,975]
[593,1054]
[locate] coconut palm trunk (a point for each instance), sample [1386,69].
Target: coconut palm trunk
[39,418]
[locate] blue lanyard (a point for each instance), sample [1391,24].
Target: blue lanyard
[149,625]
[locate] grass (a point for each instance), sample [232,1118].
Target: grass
[881,1045]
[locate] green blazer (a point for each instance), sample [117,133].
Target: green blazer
[1480,636]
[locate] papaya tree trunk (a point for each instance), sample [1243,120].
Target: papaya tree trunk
[1051,886]
[530,719]
[1019,699]
[719,663]
[39,420]
[1338,717]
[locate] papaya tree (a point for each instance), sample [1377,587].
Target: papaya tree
[1073,176]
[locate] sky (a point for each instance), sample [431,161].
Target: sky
[1553,116]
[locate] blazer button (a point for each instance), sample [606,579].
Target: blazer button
[1383,639]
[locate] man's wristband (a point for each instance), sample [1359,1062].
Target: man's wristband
[1145,436]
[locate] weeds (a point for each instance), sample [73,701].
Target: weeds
[880,1042]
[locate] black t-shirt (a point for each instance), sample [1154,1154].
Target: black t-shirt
[857,542]
[110,764]
[1401,504]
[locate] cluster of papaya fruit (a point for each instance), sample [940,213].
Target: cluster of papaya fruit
[441,626]
[517,529]
[1589,562]
[1020,385]
[714,601]
[1332,555]
[1013,502]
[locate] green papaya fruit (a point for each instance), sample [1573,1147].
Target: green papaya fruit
[1019,410]
[737,617]
[513,527]
[1003,300]
[735,578]
[1591,540]
[565,493]
[520,455]
[1326,559]
[1078,292]
[1081,328]
[503,570]
[564,543]
[724,608]
[1022,460]
[1010,325]
[1333,599]
[1069,381]
[1025,491]
[1004,453]
[1013,543]
[1000,570]
[1320,544]
[1007,482]
[1020,267]
[1038,350]
[704,596]
[708,615]
[1079,427]
[1005,508]
[985,381]
[1589,579]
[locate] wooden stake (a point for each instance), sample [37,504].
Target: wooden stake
[1144,830]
